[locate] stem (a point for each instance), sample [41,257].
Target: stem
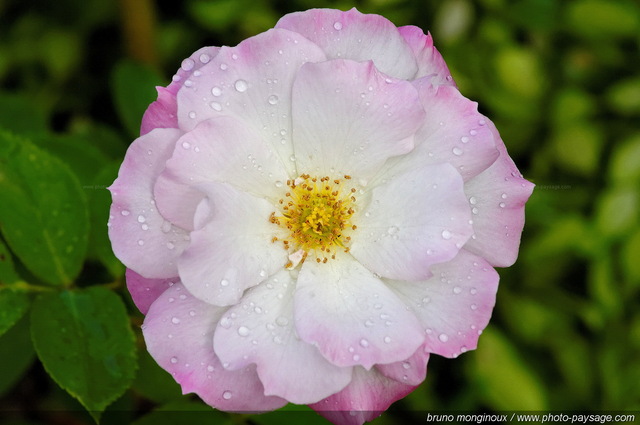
[138,25]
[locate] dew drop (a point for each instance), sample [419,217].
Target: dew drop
[215,106]
[473,200]
[282,321]
[192,115]
[186,145]
[224,282]
[393,230]
[205,58]
[166,226]
[125,212]
[446,234]
[273,99]
[243,331]
[241,86]
[443,337]
[170,245]
[140,242]
[279,183]
[503,196]
[457,290]
[216,91]
[406,365]
[368,323]
[187,64]
[227,395]
[502,205]
[474,307]
[175,320]
[356,357]
[223,66]
[464,139]
[337,26]
[426,300]
[387,339]
[141,219]
[457,151]
[474,210]
[364,343]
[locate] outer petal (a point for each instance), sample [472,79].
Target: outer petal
[411,371]
[252,82]
[497,198]
[141,237]
[233,251]
[176,202]
[348,118]
[352,35]
[454,305]
[179,331]
[453,132]
[403,231]
[145,291]
[351,316]
[430,62]
[261,330]
[224,150]
[163,113]
[368,395]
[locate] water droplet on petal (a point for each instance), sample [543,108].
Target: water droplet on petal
[464,139]
[387,339]
[393,230]
[443,337]
[337,26]
[241,86]
[224,282]
[406,365]
[140,242]
[170,245]
[364,343]
[187,64]
[273,99]
[186,145]
[215,106]
[141,219]
[205,58]
[446,234]
[216,91]
[192,115]
[174,360]
[502,205]
[457,290]
[243,331]
[457,151]
[175,320]
[227,395]
[125,212]
[282,321]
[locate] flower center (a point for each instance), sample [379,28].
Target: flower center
[316,212]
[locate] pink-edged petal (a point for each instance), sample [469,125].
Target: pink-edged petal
[251,82]
[411,371]
[351,316]
[261,330]
[224,150]
[453,132]
[178,331]
[140,236]
[233,250]
[430,62]
[348,118]
[455,305]
[163,113]
[497,198]
[356,36]
[368,395]
[403,231]
[145,291]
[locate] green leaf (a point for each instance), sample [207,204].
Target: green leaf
[16,354]
[84,159]
[577,147]
[153,382]
[520,72]
[21,115]
[86,344]
[7,270]
[507,381]
[602,19]
[625,161]
[43,212]
[617,211]
[99,202]
[185,412]
[133,86]
[13,305]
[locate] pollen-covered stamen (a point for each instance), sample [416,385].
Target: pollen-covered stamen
[316,211]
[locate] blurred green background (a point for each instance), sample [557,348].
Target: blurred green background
[561,80]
